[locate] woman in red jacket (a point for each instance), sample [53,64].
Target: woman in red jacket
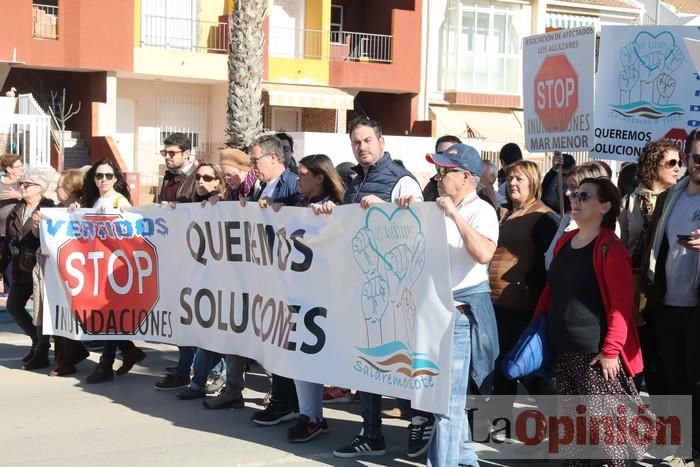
[589,302]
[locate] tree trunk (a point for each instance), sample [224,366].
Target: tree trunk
[245,70]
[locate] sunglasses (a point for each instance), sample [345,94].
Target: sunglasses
[165,153]
[206,178]
[102,175]
[442,171]
[29,184]
[672,163]
[581,196]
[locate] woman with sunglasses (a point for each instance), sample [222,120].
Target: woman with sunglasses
[209,186]
[517,274]
[105,189]
[658,169]
[320,184]
[19,250]
[588,301]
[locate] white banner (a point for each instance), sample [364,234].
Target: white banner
[360,299]
[558,90]
[647,88]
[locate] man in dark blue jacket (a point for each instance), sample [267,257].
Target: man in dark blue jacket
[279,185]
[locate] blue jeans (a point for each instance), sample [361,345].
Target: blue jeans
[184,362]
[371,407]
[204,361]
[310,397]
[451,445]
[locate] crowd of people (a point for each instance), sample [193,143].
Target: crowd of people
[615,268]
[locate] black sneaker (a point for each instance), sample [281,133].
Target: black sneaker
[420,432]
[362,446]
[306,430]
[225,400]
[101,374]
[272,415]
[171,382]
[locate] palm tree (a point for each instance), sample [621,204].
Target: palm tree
[245,70]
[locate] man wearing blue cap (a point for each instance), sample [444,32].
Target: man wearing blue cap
[472,234]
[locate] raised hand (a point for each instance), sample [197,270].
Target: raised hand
[665,85]
[362,251]
[375,298]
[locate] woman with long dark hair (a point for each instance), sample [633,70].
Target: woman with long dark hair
[588,301]
[105,188]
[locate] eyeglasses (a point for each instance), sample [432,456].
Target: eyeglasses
[101,175]
[672,163]
[254,160]
[29,184]
[581,196]
[442,171]
[206,178]
[165,153]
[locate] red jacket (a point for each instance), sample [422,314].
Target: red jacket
[613,270]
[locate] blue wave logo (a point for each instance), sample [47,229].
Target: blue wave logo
[643,109]
[397,357]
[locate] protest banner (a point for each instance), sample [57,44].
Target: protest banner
[647,88]
[358,299]
[558,90]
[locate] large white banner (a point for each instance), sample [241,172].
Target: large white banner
[647,88]
[358,299]
[558,90]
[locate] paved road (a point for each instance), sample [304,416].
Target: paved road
[61,421]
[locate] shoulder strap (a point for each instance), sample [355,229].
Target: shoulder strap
[116,201]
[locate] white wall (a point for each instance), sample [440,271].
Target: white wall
[145,94]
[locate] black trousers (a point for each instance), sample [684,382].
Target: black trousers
[678,334]
[16,303]
[284,393]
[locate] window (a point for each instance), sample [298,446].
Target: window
[45,19]
[337,24]
[169,24]
[481,46]
[188,115]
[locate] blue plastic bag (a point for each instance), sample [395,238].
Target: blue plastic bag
[531,353]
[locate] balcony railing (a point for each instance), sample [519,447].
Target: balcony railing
[184,34]
[345,45]
[360,46]
[45,21]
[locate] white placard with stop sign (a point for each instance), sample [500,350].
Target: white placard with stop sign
[558,92]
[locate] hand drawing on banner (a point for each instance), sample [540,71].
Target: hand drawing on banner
[391,254]
[648,63]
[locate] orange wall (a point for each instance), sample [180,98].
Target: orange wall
[403,74]
[92,35]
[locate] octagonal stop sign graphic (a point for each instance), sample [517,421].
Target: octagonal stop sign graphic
[556,93]
[678,136]
[113,283]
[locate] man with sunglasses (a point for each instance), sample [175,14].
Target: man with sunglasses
[672,266]
[178,182]
[178,186]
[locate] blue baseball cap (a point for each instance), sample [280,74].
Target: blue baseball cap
[457,156]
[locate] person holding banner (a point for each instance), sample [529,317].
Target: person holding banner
[19,251]
[68,352]
[379,180]
[320,184]
[472,235]
[105,189]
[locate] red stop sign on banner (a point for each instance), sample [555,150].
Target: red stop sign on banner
[556,93]
[678,136]
[111,277]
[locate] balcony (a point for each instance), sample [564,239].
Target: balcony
[45,21]
[185,34]
[344,45]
